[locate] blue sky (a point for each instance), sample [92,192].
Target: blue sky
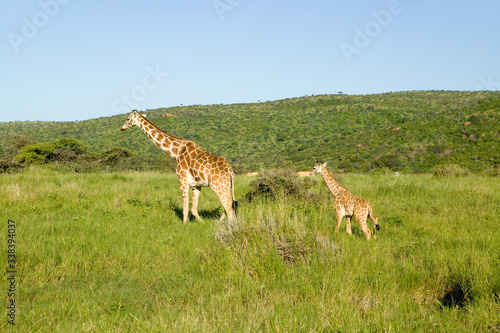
[66,60]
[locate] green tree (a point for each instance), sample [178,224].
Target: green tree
[38,153]
[65,149]
[70,144]
[16,143]
[114,154]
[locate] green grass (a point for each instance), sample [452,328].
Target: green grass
[107,252]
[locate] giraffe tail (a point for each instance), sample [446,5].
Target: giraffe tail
[235,203]
[374,218]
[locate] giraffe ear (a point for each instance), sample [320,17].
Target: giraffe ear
[144,115]
[324,164]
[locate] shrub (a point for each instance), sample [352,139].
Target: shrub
[65,149]
[16,143]
[436,149]
[474,119]
[114,154]
[37,153]
[386,161]
[382,171]
[70,144]
[255,243]
[7,166]
[272,184]
[454,170]
[493,171]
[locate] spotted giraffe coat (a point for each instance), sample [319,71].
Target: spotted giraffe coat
[196,168]
[346,204]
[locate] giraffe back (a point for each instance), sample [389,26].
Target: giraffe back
[203,168]
[351,204]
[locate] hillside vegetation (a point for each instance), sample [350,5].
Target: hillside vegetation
[409,132]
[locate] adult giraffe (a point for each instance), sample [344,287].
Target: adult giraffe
[195,167]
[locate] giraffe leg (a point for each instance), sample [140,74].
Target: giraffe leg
[194,206]
[361,219]
[222,216]
[227,202]
[339,212]
[348,225]
[185,202]
[337,224]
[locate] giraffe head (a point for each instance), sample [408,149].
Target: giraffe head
[131,120]
[317,168]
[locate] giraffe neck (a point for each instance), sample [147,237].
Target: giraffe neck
[168,143]
[331,182]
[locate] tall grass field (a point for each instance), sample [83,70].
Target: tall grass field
[108,252]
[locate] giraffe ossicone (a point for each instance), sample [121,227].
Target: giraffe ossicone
[196,168]
[346,204]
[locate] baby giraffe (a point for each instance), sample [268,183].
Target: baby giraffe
[347,204]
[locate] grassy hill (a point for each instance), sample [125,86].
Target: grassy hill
[404,131]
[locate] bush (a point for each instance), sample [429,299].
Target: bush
[65,150]
[386,161]
[16,143]
[453,170]
[71,144]
[255,243]
[114,154]
[382,171]
[475,120]
[7,166]
[37,153]
[273,184]
[435,149]
[493,171]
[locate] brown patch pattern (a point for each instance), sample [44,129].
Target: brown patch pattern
[196,168]
[346,204]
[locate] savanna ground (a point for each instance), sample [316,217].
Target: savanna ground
[107,252]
